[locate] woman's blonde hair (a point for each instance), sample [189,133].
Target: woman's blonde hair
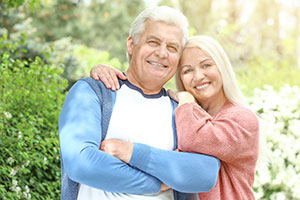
[217,53]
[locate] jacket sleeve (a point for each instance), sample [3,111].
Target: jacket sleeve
[184,172]
[80,136]
[233,134]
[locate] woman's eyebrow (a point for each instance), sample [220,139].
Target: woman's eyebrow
[207,59]
[186,65]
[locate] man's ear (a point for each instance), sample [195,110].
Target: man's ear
[130,45]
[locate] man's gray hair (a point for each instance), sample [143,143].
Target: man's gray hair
[159,13]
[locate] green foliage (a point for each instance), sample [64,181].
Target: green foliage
[103,25]
[31,99]
[261,71]
[90,57]
[98,24]
[13,3]
[79,59]
[17,3]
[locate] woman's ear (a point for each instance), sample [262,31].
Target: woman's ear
[130,45]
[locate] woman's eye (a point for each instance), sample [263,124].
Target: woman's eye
[186,71]
[206,65]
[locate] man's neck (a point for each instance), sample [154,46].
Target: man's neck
[148,87]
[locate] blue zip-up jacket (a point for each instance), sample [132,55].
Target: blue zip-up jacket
[83,123]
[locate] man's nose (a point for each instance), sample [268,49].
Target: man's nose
[162,52]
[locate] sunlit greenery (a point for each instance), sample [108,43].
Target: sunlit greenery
[32,93]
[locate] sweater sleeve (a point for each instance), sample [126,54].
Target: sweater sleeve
[184,172]
[232,135]
[80,136]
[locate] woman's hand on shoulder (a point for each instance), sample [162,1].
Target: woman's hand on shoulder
[108,75]
[181,97]
[185,97]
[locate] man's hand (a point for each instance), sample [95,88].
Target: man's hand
[108,75]
[164,187]
[118,148]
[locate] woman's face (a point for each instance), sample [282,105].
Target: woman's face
[200,76]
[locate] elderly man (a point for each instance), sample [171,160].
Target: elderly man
[140,112]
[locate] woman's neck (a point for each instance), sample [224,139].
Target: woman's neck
[213,107]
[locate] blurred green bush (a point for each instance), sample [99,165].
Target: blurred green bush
[260,71]
[78,59]
[33,84]
[31,99]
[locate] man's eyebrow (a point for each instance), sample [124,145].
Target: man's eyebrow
[170,43]
[154,37]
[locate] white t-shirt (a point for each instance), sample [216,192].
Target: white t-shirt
[141,118]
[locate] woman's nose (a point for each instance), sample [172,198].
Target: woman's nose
[199,74]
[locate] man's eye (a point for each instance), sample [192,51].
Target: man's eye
[172,48]
[153,42]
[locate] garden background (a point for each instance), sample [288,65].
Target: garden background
[47,45]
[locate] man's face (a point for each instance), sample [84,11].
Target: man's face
[155,57]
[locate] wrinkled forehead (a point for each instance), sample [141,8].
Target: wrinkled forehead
[166,32]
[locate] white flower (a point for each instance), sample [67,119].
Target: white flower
[17,189]
[15,182]
[27,188]
[45,160]
[280,124]
[27,163]
[20,134]
[10,160]
[27,195]
[7,115]
[278,196]
[13,172]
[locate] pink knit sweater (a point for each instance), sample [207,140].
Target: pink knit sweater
[232,136]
